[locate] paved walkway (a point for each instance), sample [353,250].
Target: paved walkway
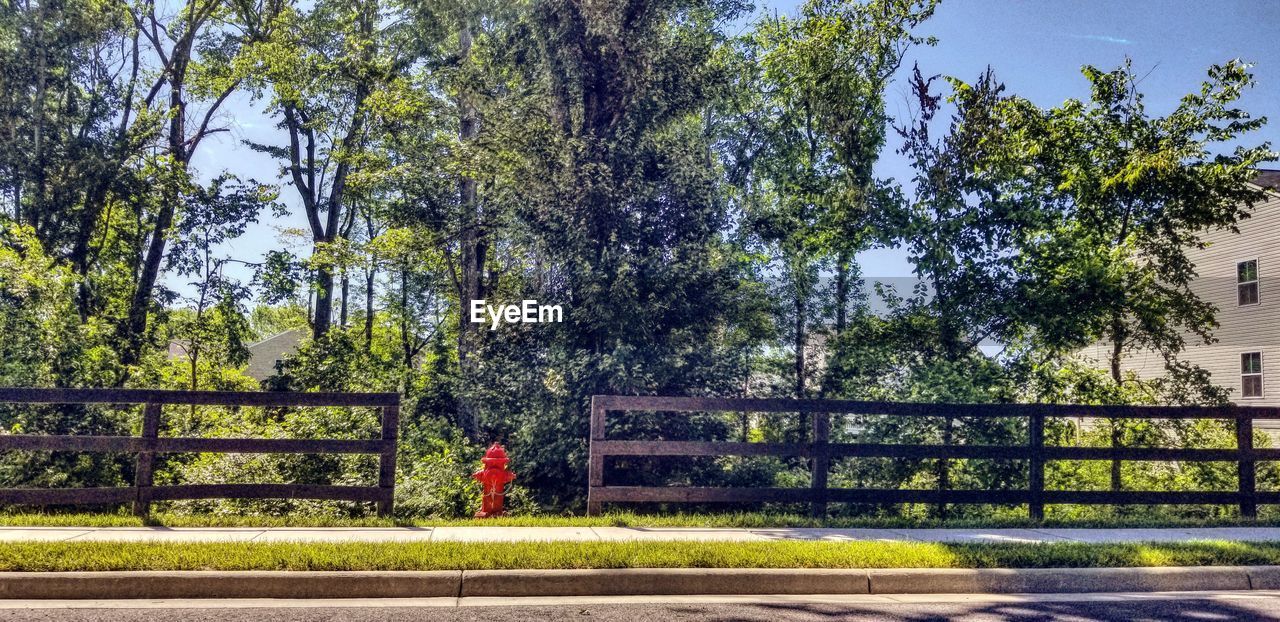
[599,534]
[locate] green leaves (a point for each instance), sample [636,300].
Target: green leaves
[1085,212]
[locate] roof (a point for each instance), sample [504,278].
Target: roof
[178,348]
[264,354]
[1268,179]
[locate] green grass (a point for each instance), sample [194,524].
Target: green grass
[99,556]
[188,520]
[755,520]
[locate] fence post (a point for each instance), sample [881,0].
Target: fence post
[143,474]
[821,463]
[1035,478]
[1117,441]
[1245,466]
[944,468]
[387,460]
[595,466]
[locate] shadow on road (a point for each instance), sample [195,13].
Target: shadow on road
[1191,609]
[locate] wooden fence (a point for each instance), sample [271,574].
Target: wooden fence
[150,443]
[821,451]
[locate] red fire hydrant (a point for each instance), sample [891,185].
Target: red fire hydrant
[493,478]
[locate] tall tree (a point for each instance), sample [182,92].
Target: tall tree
[71,72]
[223,212]
[1127,193]
[810,192]
[1048,230]
[1023,212]
[618,202]
[1118,196]
[112,104]
[963,228]
[321,67]
[182,82]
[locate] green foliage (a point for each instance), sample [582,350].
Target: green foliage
[438,486]
[335,362]
[267,320]
[694,199]
[47,346]
[1122,195]
[807,126]
[37,311]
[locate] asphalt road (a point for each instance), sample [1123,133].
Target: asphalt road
[1197,609]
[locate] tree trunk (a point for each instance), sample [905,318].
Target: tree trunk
[473,248]
[136,319]
[842,292]
[800,308]
[472,251]
[405,341]
[1117,358]
[331,228]
[95,200]
[37,134]
[324,303]
[346,291]
[368,309]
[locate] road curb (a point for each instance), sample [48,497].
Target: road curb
[663,581]
[623,582]
[1057,580]
[227,584]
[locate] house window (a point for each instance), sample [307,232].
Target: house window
[1247,282]
[1251,374]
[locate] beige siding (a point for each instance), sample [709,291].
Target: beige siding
[1252,328]
[1249,328]
[264,354]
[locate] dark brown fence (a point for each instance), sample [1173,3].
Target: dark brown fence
[146,446]
[820,451]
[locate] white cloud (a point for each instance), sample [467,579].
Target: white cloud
[1103,38]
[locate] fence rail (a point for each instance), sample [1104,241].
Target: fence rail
[150,443]
[820,451]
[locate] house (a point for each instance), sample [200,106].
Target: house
[1237,273]
[266,355]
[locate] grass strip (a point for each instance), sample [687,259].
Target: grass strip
[99,556]
[742,520]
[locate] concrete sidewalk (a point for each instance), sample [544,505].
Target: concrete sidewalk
[601,534]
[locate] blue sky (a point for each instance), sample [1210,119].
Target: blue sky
[1035,48]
